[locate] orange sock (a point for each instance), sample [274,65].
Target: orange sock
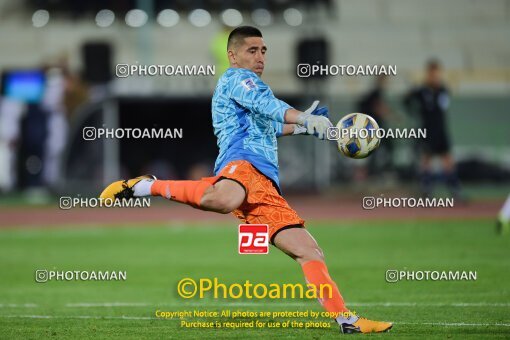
[187,192]
[316,273]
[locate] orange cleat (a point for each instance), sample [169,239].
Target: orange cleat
[123,189]
[365,326]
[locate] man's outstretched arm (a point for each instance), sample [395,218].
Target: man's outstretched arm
[314,120]
[288,129]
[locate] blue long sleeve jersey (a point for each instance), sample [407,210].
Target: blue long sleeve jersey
[247,119]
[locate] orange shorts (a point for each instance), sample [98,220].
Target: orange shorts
[263,203]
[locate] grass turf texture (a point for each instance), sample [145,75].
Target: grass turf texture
[156,257]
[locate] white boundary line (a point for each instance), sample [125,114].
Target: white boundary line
[418,304]
[458,324]
[123,317]
[108,304]
[288,304]
[209,303]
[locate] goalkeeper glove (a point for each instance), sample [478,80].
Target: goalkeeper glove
[314,121]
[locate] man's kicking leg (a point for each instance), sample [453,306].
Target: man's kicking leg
[216,194]
[210,194]
[302,247]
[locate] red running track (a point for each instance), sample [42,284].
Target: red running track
[309,208]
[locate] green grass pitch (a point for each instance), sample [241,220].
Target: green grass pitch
[156,257]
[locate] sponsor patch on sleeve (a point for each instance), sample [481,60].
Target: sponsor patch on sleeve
[249,84]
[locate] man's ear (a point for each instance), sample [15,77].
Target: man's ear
[231,57]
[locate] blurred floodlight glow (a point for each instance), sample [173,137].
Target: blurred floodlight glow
[199,17]
[40,18]
[232,17]
[293,17]
[105,18]
[168,18]
[262,17]
[136,18]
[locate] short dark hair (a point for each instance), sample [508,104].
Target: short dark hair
[433,64]
[241,32]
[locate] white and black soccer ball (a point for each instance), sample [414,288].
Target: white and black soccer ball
[358,137]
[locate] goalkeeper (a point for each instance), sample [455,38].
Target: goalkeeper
[247,119]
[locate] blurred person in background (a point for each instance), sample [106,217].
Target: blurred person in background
[11,112]
[76,93]
[53,102]
[430,102]
[64,93]
[218,46]
[503,222]
[31,148]
[374,103]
